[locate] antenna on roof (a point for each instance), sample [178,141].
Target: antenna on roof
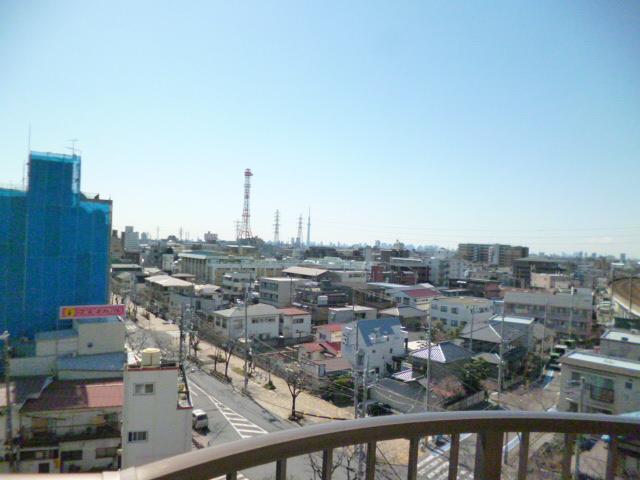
[73,146]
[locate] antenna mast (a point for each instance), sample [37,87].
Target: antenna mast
[245,229]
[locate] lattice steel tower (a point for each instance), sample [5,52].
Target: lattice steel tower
[299,238]
[276,229]
[245,227]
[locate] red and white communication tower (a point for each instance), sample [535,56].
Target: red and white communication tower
[244,233]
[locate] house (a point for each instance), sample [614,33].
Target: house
[413,296]
[522,269]
[72,426]
[379,341]
[412,318]
[205,300]
[568,314]
[154,389]
[294,323]
[349,313]
[330,332]
[158,289]
[307,273]
[263,322]
[611,385]
[278,291]
[457,312]
[447,358]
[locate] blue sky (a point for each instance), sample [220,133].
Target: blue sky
[428,122]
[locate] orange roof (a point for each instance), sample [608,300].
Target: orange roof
[331,327]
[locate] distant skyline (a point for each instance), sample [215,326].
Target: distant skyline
[430,123]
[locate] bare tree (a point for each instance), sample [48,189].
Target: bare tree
[296,381]
[228,351]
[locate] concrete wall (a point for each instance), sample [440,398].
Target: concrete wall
[95,338]
[48,347]
[28,366]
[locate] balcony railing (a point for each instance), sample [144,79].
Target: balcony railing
[490,427]
[43,437]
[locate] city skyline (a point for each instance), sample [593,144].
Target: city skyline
[396,126]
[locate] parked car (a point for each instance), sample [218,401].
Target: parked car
[199,420]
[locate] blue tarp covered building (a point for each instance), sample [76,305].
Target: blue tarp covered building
[54,246]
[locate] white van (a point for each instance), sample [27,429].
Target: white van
[199,419]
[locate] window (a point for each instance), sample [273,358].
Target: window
[137,437]
[435,319]
[106,452]
[298,320]
[71,455]
[454,310]
[628,384]
[454,323]
[443,309]
[144,389]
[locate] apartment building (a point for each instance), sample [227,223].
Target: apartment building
[130,240]
[262,322]
[234,285]
[550,281]
[158,290]
[456,312]
[522,269]
[621,344]
[294,323]
[492,254]
[565,313]
[611,385]
[278,291]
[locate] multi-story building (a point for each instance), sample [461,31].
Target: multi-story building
[376,344]
[158,289]
[349,313]
[550,281]
[278,291]
[522,269]
[602,384]
[456,312]
[55,246]
[156,418]
[131,240]
[621,343]
[565,313]
[478,287]
[492,254]
[234,285]
[294,323]
[229,324]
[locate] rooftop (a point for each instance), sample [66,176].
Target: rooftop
[305,271]
[103,362]
[404,311]
[355,308]
[330,327]
[595,360]
[621,336]
[443,352]
[546,298]
[370,329]
[292,311]
[77,394]
[421,293]
[254,309]
[464,300]
[167,281]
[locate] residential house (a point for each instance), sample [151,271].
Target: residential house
[381,342]
[294,323]
[159,287]
[447,358]
[263,322]
[621,344]
[330,332]
[413,297]
[412,318]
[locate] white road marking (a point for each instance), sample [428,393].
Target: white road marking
[243,427]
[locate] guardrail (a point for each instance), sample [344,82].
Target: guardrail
[490,427]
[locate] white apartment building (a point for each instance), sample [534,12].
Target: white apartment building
[378,340]
[611,385]
[278,291]
[566,313]
[349,313]
[157,411]
[262,322]
[131,240]
[456,312]
[548,281]
[234,284]
[206,299]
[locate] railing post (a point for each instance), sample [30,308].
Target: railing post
[327,464]
[370,473]
[612,458]
[569,438]
[454,452]
[488,463]
[523,456]
[412,470]
[281,469]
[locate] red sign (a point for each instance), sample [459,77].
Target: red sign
[91,311]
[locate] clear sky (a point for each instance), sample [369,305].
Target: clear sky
[428,122]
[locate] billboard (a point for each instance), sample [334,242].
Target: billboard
[91,311]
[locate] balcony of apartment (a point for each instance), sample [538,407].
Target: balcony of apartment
[41,437]
[327,439]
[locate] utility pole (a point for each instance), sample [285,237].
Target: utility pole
[7,382]
[245,388]
[500,373]
[429,337]
[577,445]
[471,334]
[571,314]
[544,329]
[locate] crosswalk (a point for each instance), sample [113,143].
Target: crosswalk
[243,427]
[239,476]
[437,468]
